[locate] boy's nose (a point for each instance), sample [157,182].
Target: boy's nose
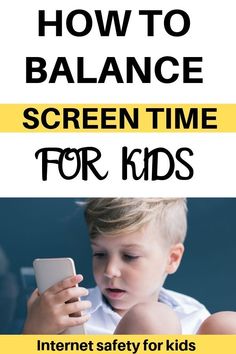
[112,270]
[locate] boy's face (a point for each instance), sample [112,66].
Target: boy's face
[131,268]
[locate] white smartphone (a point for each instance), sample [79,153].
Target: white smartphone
[49,271]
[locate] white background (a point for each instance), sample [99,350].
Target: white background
[213,163]
[211,35]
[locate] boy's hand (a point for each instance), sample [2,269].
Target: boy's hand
[54,311]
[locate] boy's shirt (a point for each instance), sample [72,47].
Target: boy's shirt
[104,320]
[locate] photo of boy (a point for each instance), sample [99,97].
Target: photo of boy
[136,243]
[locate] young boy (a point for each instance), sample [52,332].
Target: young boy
[136,243]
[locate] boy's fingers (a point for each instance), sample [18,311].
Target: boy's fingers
[34,296]
[65,284]
[76,321]
[77,307]
[71,294]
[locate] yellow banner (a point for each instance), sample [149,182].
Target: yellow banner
[118,118]
[135,344]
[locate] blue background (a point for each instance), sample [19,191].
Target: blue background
[44,227]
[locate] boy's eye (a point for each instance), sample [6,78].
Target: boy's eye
[99,254]
[130,257]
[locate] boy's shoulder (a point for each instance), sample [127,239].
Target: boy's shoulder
[176,299]
[190,311]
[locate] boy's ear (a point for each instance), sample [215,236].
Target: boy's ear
[175,255]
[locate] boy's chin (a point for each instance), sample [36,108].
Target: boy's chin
[118,306]
[120,310]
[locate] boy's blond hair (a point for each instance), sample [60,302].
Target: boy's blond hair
[112,216]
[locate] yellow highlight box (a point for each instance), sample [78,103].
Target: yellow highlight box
[117,118]
[111,344]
